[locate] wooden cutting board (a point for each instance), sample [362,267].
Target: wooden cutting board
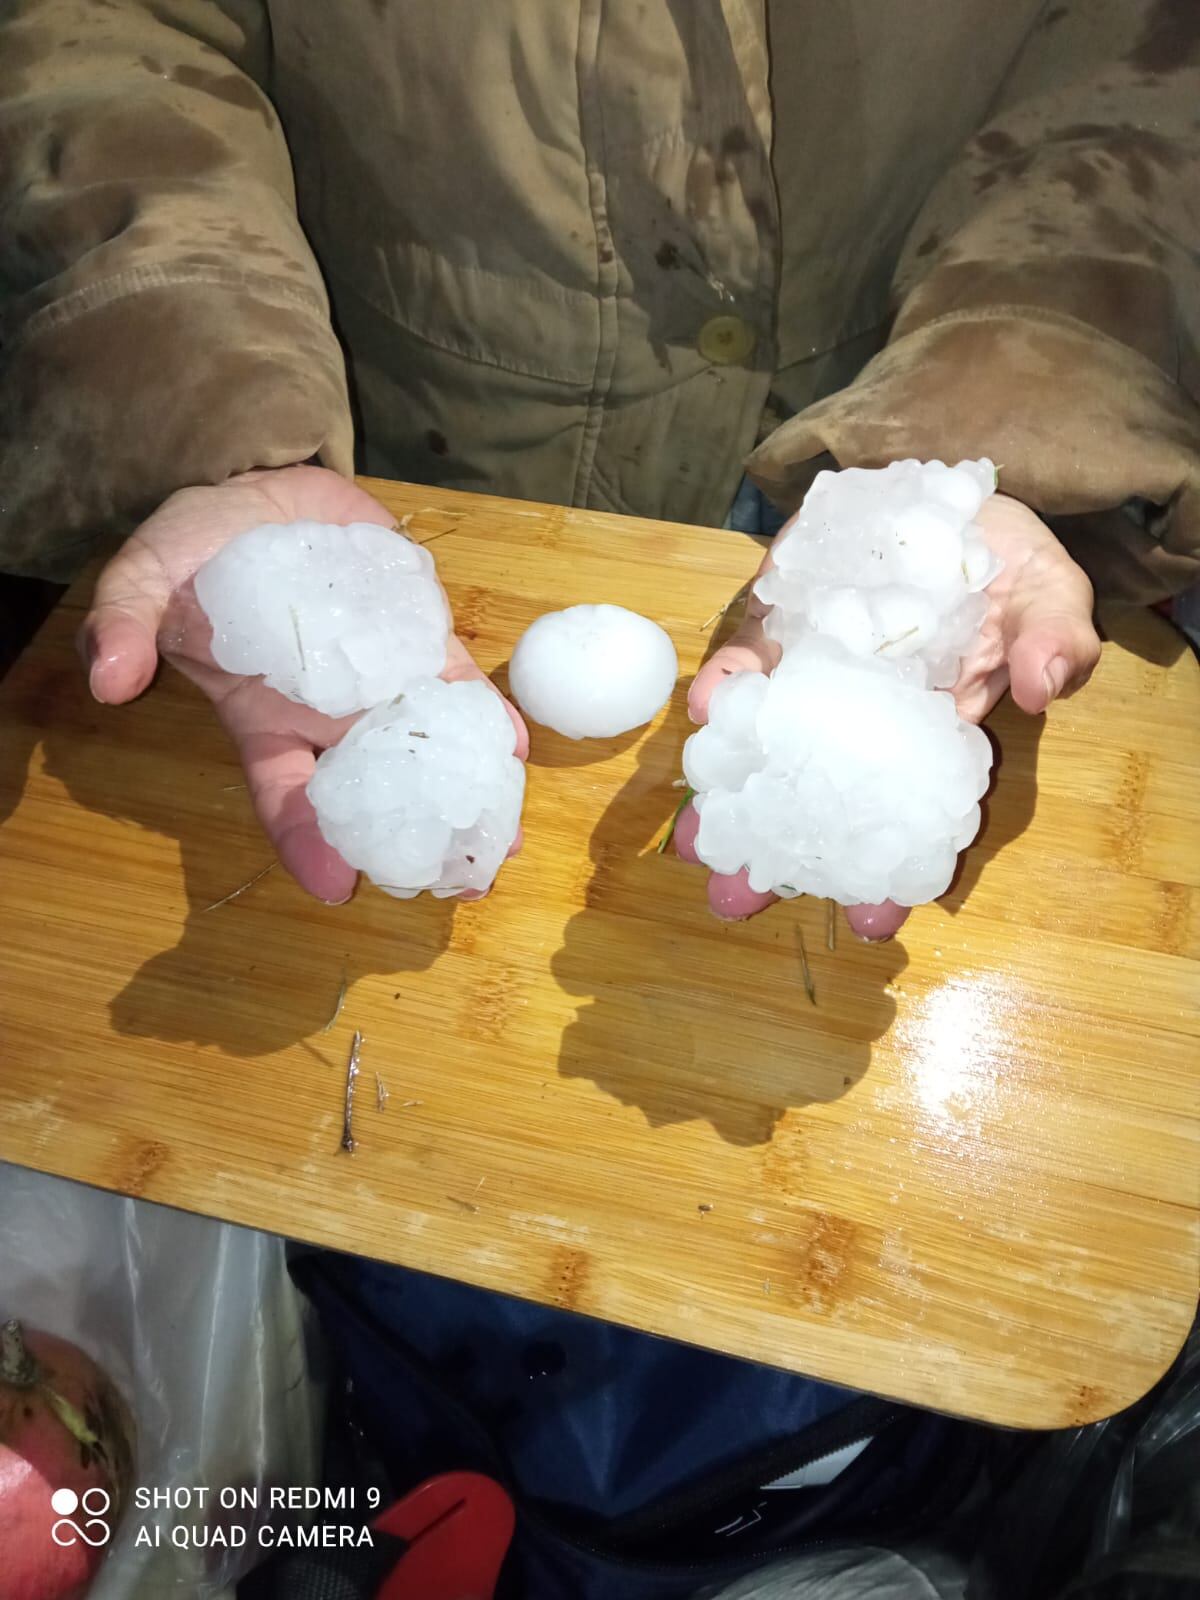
[967,1176]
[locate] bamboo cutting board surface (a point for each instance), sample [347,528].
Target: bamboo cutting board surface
[966,1177]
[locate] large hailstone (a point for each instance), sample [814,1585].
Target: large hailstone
[591,672]
[337,618]
[890,563]
[836,777]
[424,793]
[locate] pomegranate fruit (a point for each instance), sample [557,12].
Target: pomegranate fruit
[66,1457]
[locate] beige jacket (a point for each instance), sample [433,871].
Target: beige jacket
[585,250]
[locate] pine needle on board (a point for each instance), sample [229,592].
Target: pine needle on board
[688,793]
[727,607]
[831,926]
[810,987]
[241,889]
[337,1008]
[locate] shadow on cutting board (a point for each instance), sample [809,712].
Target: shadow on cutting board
[700,1019]
[678,1014]
[253,976]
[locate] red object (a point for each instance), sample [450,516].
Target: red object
[64,1433]
[459,1528]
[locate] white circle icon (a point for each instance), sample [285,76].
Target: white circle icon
[95,1503]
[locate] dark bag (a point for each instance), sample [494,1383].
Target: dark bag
[637,1466]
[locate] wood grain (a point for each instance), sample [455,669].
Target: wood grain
[967,1177]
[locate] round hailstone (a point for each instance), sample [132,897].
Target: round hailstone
[591,672]
[337,618]
[835,777]
[888,562]
[424,793]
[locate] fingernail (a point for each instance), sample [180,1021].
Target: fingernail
[1055,677]
[93,683]
[874,938]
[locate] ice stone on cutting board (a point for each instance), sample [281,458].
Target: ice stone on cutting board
[426,792]
[592,672]
[888,562]
[836,777]
[337,618]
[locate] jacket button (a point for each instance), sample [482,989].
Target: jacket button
[726,340]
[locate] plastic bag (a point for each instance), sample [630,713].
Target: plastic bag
[864,1573]
[200,1326]
[1106,1512]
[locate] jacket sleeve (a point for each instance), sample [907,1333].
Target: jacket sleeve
[162,320]
[1048,304]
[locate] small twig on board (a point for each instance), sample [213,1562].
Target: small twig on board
[467,1205]
[407,1103]
[806,971]
[688,793]
[228,786]
[249,884]
[442,532]
[831,926]
[728,606]
[348,1142]
[381,1093]
[338,1004]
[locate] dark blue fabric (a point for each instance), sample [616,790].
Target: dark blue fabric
[586,1423]
[591,1416]
[752,512]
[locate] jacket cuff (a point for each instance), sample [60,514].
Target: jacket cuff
[109,405]
[1087,432]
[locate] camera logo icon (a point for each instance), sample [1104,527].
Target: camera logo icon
[94,1504]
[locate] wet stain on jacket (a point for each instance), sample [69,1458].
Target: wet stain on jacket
[999,145]
[1081,177]
[231,87]
[1171,39]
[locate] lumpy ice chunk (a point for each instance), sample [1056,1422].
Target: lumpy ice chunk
[424,793]
[836,777]
[890,563]
[337,618]
[592,672]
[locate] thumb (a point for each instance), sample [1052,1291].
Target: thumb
[749,650]
[1053,654]
[118,639]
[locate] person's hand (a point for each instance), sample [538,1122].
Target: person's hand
[145,606]
[1038,641]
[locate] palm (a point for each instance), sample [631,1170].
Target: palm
[1037,639]
[1041,609]
[145,604]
